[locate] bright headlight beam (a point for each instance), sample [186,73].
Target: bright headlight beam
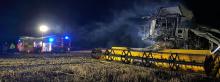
[43,28]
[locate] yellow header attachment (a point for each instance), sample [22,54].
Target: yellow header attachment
[120,48]
[186,51]
[178,51]
[175,59]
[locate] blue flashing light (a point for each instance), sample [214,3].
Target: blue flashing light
[51,39]
[66,37]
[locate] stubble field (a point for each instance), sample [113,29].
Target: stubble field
[76,68]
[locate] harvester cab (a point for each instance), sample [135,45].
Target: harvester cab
[173,27]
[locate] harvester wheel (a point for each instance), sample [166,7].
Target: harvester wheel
[208,65]
[218,73]
[212,66]
[216,69]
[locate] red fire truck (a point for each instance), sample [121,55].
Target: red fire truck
[53,44]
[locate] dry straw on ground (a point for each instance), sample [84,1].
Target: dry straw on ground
[77,69]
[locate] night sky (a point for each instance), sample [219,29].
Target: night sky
[21,17]
[79,17]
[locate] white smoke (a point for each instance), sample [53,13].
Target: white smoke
[126,27]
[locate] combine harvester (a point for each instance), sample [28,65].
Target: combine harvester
[180,45]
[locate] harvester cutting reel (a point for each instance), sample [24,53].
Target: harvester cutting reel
[201,61]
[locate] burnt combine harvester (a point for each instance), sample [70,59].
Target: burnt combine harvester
[180,45]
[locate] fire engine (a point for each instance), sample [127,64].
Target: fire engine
[53,44]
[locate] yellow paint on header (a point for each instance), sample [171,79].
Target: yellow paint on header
[186,51]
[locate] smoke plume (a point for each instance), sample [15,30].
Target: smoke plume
[126,28]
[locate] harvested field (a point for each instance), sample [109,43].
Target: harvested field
[84,69]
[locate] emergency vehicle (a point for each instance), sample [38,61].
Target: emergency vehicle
[44,44]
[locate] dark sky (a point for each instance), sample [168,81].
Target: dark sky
[22,17]
[205,11]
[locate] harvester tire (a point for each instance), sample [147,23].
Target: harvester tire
[209,65]
[216,69]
